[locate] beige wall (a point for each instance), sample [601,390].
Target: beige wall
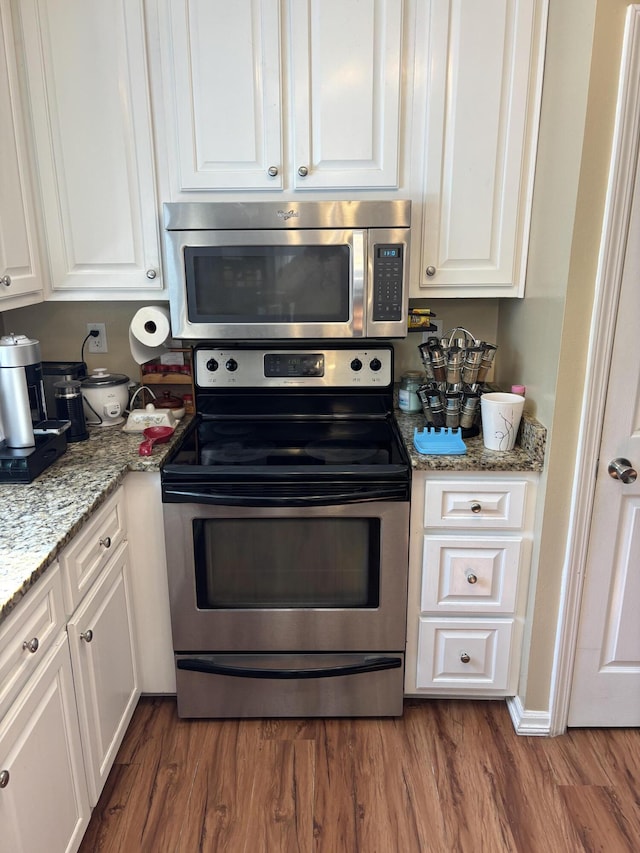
[546,335]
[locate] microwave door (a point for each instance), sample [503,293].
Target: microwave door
[268,284]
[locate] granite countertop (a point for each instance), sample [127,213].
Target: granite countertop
[527,455]
[40,518]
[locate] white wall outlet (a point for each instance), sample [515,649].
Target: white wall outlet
[99,343]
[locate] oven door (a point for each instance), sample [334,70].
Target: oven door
[267,284]
[288,580]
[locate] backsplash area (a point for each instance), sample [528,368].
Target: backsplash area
[62,326]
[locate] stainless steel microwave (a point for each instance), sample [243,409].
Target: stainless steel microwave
[281,270]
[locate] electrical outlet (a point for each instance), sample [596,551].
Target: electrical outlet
[99,343]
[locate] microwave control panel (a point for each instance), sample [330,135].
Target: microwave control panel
[387,282]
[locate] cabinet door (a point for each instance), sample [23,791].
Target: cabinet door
[102,642]
[88,89]
[346,81]
[221,69]
[483,101]
[20,269]
[43,802]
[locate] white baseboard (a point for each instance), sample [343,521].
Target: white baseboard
[528,723]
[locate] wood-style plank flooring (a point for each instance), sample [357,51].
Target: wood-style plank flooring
[448,777]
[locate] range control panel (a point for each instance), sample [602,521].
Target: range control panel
[366,367]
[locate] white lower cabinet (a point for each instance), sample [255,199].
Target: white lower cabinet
[469,556]
[69,686]
[44,804]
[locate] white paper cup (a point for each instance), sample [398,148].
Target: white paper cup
[501,413]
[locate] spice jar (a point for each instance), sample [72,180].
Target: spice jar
[408,400]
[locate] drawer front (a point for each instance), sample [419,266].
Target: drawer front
[483,504]
[28,633]
[462,654]
[470,574]
[83,560]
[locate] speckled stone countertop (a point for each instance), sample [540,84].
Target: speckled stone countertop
[40,518]
[528,454]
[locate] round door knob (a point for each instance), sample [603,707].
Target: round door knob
[465,657]
[87,635]
[476,508]
[5,280]
[431,271]
[471,578]
[151,274]
[272,171]
[31,645]
[106,542]
[621,469]
[303,171]
[4,778]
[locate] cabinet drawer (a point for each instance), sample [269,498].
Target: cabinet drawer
[36,621]
[470,574]
[480,504]
[458,653]
[83,560]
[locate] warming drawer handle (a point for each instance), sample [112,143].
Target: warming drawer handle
[372,665]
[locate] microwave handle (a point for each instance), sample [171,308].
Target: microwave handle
[358,270]
[212,668]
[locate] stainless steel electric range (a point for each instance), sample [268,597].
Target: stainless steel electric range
[286,522]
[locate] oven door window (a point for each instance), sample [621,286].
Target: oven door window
[268,284]
[279,562]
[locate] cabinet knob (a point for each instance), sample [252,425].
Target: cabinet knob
[31,645]
[465,657]
[4,778]
[5,280]
[272,171]
[151,274]
[87,635]
[476,507]
[106,542]
[431,271]
[471,578]
[303,171]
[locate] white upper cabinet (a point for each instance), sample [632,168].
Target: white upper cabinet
[346,85]
[483,90]
[20,267]
[88,91]
[261,95]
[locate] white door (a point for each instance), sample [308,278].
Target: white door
[606,680]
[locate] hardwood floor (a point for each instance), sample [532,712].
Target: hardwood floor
[449,776]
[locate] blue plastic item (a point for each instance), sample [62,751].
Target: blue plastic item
[434,441]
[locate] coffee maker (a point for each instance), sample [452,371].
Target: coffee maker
[31,443]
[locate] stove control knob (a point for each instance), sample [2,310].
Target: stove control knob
[356,364]
[231,365]
[375,364]
[212,365]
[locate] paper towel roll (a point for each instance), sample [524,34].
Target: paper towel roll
[149,333]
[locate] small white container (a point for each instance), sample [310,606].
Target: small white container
[501,413]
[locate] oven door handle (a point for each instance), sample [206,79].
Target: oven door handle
[221,498]
[371,665]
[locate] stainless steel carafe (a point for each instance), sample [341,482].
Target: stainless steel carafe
[21,390]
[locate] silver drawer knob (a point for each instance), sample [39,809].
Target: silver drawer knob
[465,657]
[87,635]
[431,271]
[476,507]
[5,280]
[151,274]
[106,542]
[4,778]
[31,645]
[303,171]
[272,171]
[471,578]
